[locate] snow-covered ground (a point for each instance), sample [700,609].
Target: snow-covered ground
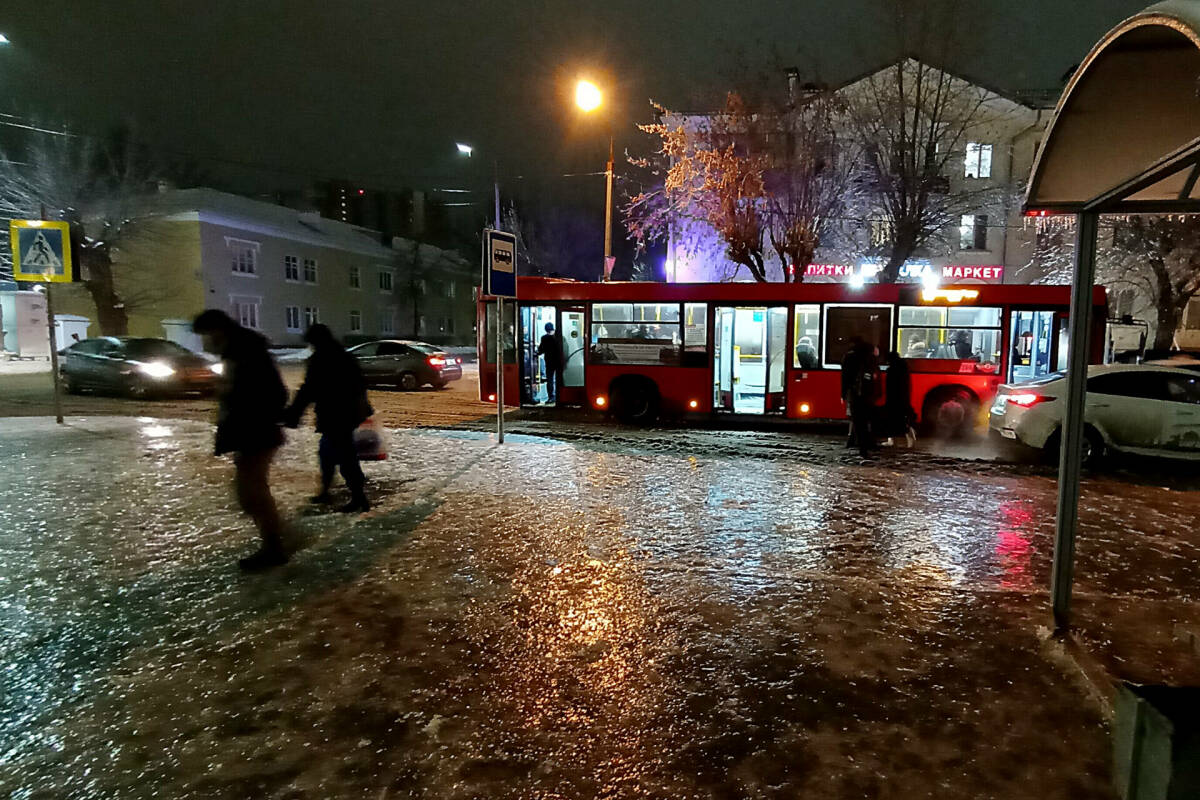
[549,618]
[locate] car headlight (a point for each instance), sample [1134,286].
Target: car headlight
[217,369]
[156,369]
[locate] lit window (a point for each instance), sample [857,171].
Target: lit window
[960,333]
[354,278]
[243,256]
[355,322]
[641,333]
[291,268]
[808,337]
[292,319]
[972,232]
[978,161]
[310,270]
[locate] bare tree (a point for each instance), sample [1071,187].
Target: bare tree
[94,185]
[771,179]
[913,122]
[1158,257]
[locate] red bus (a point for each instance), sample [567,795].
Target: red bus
[641,349]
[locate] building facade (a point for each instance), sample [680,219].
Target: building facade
[277,270]
[989,243]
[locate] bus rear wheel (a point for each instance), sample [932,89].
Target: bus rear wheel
[635,401]
[951,413]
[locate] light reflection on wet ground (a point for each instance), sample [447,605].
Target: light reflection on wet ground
[552,620]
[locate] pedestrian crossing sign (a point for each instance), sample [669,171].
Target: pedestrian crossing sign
[41,251]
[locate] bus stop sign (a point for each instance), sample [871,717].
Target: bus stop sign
[499,263]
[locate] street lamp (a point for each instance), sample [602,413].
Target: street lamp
[469,150]
[589,98]
[4,40]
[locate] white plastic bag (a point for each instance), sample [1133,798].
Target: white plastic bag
[369,441]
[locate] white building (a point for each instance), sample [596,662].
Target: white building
[990,244]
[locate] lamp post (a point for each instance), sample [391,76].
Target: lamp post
[588,98]
[467,150]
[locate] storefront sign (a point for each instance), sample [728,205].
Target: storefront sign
[911,272]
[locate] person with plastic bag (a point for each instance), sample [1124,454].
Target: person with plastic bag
[334,384]
[251,408]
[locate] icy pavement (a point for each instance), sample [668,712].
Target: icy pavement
[553,619]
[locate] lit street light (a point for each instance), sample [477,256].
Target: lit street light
[4,40]
[589,98]
[465,149]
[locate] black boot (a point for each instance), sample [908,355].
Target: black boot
[264,558]
[322,499]
[358,503]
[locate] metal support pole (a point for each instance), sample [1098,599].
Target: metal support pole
[1071,455]
[608,206]
[496,186]
[58,415]
[500,370]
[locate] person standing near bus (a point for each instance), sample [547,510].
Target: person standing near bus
[898,414]
[860,390]
[551,349]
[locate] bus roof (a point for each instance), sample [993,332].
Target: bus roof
[531,289]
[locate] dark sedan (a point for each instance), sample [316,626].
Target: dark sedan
[408,365]
[136,367]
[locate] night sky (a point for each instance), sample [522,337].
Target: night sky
[288,92]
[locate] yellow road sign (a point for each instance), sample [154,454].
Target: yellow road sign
[41,251]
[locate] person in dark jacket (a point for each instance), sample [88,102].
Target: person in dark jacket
[860,389]
[551,349]
[898,414]
[334,383]
[248,419]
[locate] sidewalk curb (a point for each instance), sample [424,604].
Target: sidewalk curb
[1063,650]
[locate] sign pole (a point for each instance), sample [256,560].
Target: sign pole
[58,415]
[1071,456]
[500,370]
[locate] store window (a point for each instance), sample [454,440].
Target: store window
[960,333]
[807,337]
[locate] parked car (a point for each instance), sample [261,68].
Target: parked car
[408,365]
[1137,409]
[138,367]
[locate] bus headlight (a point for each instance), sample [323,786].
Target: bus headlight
[156,369]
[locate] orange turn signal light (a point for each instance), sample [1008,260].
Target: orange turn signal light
[601,401]
[805,408]
[694,404]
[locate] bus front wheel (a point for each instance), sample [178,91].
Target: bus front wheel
[950,414]
[635,401]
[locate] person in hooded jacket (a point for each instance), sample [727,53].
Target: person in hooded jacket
[251,408]
[333,382]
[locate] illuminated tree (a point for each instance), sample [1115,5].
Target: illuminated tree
[1158,257]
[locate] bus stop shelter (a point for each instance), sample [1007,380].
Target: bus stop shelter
[1124,139]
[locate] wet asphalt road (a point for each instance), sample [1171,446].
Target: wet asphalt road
[661,614]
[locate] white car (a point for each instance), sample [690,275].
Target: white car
[1131,408]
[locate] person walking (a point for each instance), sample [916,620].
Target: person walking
[248,419]
[551,349]
[334,383]
[860,390]
[898,414]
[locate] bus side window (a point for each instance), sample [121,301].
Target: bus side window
[808,337]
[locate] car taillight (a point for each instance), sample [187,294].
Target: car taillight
[1027,399]
[457,360]
[436,361]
